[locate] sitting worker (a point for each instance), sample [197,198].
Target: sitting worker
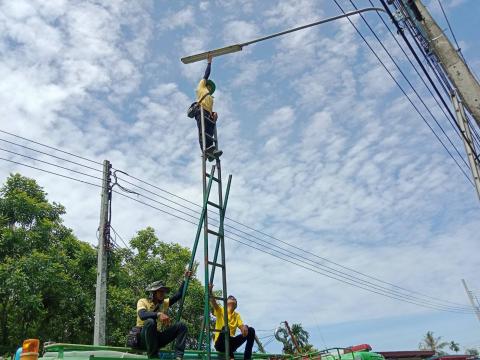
[156,331]
[205,89]
[247,333]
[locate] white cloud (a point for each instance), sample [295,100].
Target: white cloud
[324,154]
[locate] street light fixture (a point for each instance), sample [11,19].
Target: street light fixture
[239,47]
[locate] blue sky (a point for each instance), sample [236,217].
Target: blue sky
[324,150]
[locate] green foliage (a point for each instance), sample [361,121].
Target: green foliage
[302,336]
[455,347]
[48,276]
[132,270]
[430,342]
[44,270]
[472,351]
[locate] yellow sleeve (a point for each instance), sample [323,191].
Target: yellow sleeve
[239,321]
[141,305]
[166,305]
[202,85]
[218,312]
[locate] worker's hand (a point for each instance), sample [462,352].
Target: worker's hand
[210,289]
[214,116]
[164,319]
[244,330]
[209,58]
[188,274]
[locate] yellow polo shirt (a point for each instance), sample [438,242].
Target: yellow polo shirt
[234,322]
[202,90]
[149,305]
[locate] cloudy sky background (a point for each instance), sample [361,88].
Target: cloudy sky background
[325,152]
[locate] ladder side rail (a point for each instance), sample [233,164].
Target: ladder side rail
[195,244]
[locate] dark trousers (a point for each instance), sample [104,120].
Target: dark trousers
[209,128]
[236,342]
[152,340]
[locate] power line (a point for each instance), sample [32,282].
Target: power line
[405,93]
[399,29]
[452,124]
[51,147]
[47,154]
[400,294]
[52,172]
[287,259]
[451,31]
[118,235]
[49,163]
[341,278]
[227,227]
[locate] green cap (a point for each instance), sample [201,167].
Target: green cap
[211,84]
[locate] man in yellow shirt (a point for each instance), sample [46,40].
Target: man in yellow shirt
[154,322]
[247,333]
[204,92]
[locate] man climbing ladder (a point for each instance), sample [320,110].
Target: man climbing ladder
[204,92]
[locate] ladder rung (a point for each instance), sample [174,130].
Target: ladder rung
[209,120]
[213,178]
[214,233]
[216,330]
[214,205]
[210,137]
[215,264]
[218,298]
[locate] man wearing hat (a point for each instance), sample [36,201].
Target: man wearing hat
[204,92]
[247,333]
[153,319]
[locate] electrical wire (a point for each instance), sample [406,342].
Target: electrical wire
[228,227]
[51,164]
[459,50]
[406,95]
[51,147]
[51,172]
[284,257]
[47,154]
[455,129]
[426,74]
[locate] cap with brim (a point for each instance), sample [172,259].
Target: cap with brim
[211,84]
[157,285]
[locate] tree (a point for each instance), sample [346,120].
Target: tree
[48,276]
[454,346]
[301,335]
[473,352]
[45,271]
[430,342]
[131,270]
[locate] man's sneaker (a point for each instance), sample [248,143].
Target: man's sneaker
[217,153]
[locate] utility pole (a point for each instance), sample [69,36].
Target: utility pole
[475,306]
[102,257]
[467,140]
[294,339]
[457,71]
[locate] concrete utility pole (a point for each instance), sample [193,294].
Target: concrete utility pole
[463,124]
[103,248]
[457,71]
[294,339]
[475,306]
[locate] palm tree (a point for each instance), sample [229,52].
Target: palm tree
[433,343]
[454,346]
[301,336]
